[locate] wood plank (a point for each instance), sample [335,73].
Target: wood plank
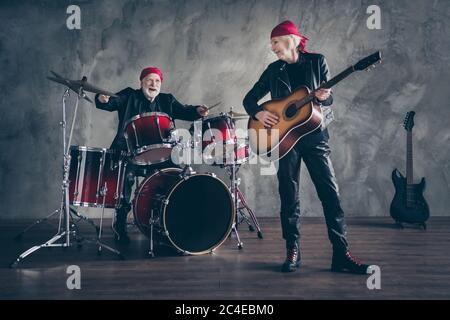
[415,264]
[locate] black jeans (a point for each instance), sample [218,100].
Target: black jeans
[133,171]
[316,156]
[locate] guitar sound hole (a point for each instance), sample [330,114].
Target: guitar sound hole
[291,111]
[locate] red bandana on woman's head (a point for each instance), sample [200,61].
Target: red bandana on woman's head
[286,28]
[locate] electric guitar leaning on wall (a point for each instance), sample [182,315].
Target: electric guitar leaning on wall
[409,204]
[298,115]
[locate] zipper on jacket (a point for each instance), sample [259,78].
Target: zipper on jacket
[288,86]
[284,82]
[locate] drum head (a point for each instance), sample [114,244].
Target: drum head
[199,214]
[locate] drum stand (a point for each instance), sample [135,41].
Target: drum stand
[73,213]
[241,204]
[67,231]
[238,198]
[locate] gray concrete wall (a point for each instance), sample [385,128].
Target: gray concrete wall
[214,51]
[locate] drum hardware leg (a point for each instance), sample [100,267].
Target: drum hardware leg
[20,235]
[243,218]
[100,245]
[187,172]
[234,184]
[48,244]
[84,218]
[239,197]
[100,174]
[103,193]
[117,194]
[239,242]
[250,212]
[122,180]
[103,245]
[151,222]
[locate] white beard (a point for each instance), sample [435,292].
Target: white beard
[148,94]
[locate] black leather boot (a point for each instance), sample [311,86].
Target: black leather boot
[120,229]
[293,258]
[344,261]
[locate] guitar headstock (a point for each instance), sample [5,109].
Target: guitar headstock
[368,61]
[408,123]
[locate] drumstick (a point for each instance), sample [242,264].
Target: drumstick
[215,105]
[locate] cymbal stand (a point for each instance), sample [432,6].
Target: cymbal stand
[239,198]
[66,230]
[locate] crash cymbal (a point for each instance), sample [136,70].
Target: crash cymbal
[76,85]
[91,88]
[71,86]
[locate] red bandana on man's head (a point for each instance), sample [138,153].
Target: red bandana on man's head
[286,28]
[145,72]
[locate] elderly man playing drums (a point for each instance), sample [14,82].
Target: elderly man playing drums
[144,128]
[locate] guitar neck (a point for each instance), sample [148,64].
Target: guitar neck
[409,158]
[341,76]
[326,85]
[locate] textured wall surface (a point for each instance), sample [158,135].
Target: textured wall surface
[214,51]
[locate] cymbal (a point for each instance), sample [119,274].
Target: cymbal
[76,85]
[240,117]
[236,115]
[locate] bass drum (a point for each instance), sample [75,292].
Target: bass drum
[193,213]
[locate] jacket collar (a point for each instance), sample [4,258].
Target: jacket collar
[282,75]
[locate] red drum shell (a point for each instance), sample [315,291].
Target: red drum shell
[148,138]
[91,171]
[194,214]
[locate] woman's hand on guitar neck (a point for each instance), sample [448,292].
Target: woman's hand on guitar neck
[322,94]
[268,119]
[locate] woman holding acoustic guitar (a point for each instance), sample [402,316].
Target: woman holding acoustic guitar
[296,68]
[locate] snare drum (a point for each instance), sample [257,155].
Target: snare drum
[218,129]
[239,155]
[150,138]
[96,177]
[219,139]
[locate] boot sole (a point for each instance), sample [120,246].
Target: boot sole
[297,265]
[345,270]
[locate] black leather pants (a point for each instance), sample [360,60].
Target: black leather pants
[316,156]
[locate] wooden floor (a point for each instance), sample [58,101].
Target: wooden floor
[415,264]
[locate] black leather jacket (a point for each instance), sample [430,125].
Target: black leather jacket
[275,79]
[130,103]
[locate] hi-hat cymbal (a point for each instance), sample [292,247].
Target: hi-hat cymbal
[82,84]
[236,115]
[240,117]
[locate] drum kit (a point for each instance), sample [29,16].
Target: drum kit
[193,213]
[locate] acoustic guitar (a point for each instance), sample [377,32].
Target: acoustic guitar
[298,115]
